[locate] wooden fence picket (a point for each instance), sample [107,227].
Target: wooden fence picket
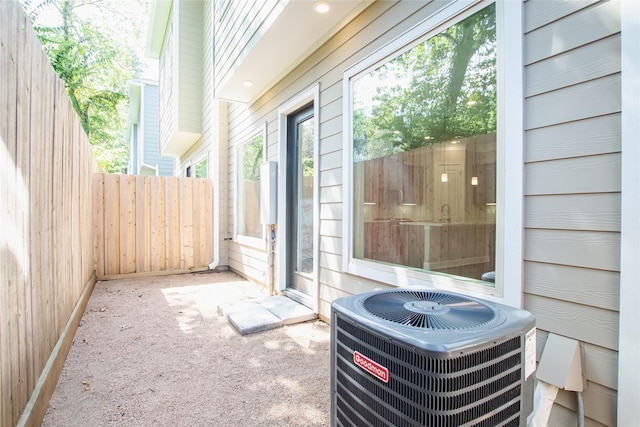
[152,224]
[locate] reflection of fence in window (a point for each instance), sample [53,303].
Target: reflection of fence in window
[250,157]
[410,217]
[251,212]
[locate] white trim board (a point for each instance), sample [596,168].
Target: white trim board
[629,333]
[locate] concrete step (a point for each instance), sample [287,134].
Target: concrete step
[256,315]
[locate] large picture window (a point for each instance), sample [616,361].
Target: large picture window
[249,158]
[424,126]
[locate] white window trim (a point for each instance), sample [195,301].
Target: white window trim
[509,214]
[254,242]
[311,94]
[628,334]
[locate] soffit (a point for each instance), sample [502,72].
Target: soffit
[296,32]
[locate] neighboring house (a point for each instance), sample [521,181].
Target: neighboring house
[425,143]
[143,134]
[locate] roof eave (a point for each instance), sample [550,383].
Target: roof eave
[158,19]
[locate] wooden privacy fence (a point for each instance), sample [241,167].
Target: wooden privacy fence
[46,242]
[146,224]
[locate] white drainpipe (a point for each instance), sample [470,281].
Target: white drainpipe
[215,167]
[216,216]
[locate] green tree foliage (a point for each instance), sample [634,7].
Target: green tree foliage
[440,90]
[252,158]
[92,47]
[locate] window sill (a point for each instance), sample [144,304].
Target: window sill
[396,275]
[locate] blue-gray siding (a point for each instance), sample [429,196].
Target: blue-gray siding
[151,148]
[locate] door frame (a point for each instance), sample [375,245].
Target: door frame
[305,97]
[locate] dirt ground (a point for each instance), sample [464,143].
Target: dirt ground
[155,352]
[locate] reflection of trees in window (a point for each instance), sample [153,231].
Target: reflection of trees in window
[306,150]
[442,89]
[201,169]
[252,158]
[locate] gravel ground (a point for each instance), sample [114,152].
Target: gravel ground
[155,352]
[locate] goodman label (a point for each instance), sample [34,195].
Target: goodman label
[370,366]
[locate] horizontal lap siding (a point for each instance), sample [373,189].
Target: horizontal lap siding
[572,188]
[597,135]
[250,262]
[151,131]
[237,30]
[167,108]
[188,66]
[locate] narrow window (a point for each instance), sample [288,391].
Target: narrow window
[249,158]
[202,170]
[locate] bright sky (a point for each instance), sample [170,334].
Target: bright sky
[132,12]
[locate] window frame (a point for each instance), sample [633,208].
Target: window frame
[308,95]
[254,242]
[509,162]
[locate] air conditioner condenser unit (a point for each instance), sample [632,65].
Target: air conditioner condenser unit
[414,357]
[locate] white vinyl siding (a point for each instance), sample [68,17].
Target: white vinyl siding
[150,131]
[166,86]
[239,29]
[572,189]
[181,78]
[189,66]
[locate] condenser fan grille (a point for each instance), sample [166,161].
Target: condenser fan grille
[429,309]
